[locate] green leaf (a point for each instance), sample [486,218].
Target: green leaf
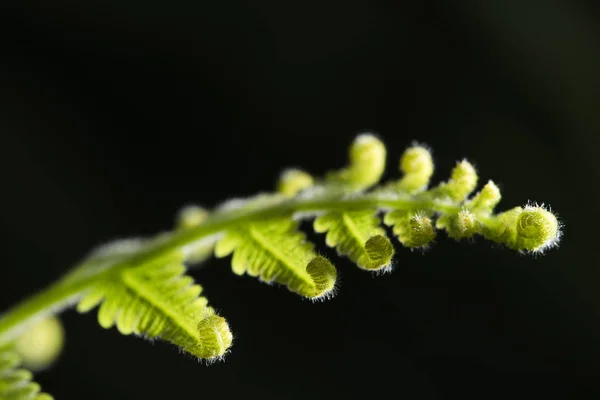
[16,383]
[417,166]
[276,251]
[414,229]
[463,181]
[357,234]
[158,301]
[367,156]
[459,226]
[531,228]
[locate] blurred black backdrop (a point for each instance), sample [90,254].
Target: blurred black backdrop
[114,114]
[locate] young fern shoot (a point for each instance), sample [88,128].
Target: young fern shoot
[140,286]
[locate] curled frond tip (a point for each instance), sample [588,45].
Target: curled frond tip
[538,229]
[324,275]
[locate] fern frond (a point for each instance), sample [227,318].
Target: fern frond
[357,234]
[276,251]
[141,287]
[158,301]
[16,383]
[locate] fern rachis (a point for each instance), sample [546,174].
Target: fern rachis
[140,285]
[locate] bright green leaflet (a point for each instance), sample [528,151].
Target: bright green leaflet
[357,234]
[158,301]
[276,251]
[16,383]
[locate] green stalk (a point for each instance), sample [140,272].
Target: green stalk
[74,284]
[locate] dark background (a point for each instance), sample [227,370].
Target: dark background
[114,114]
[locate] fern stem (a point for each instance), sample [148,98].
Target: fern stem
[69,289]
[52,300]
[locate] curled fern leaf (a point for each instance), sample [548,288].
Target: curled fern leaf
[463,181]
[530,228]
[414,229]
[16,383]
[276,251]
[158,301]
[367,156]
[486,199]
[292,181]
[357,235]
[417,166]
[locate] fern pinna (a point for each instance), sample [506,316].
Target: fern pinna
[15,382]
[140,286]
